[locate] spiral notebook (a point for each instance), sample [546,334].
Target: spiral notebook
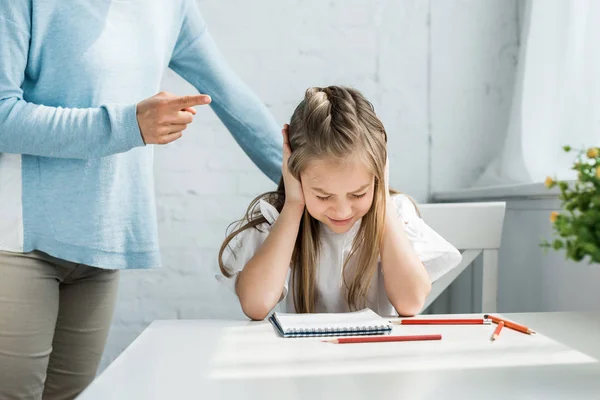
[364,322]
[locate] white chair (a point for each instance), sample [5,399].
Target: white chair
[475,229]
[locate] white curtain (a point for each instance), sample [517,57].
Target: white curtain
[557,95]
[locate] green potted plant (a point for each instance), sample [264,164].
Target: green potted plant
[576,226]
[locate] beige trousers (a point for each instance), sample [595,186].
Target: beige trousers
[54,320]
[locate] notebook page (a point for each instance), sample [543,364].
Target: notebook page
[359,319]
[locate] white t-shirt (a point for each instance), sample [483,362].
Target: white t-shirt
[437,255]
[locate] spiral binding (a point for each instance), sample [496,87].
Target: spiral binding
[370,330]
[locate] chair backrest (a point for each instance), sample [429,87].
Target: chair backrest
[466,225]
[471,228]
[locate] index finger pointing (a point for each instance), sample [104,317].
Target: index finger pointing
[190,101]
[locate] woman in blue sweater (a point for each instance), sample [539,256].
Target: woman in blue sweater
[76,181]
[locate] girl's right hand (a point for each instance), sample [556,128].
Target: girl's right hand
[293,187]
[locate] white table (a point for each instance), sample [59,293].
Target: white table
[212,359]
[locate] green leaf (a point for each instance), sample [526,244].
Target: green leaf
[589,248]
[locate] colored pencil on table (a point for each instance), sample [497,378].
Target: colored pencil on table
[376,339]
[444,321]
[497,331]
[510,324]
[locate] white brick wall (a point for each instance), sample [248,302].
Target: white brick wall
[382,47]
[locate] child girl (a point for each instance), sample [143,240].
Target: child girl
[334,237]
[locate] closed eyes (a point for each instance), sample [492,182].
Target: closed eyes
[356,196]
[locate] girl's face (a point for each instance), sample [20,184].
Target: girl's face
[338,193]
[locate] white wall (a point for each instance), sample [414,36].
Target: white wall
[441,68]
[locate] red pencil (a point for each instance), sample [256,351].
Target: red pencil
[375,339]
[511,325]
[446,321]
[497,331]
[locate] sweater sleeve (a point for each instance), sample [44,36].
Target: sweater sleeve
[35,129]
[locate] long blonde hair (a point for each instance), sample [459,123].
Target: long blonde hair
[331,122]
